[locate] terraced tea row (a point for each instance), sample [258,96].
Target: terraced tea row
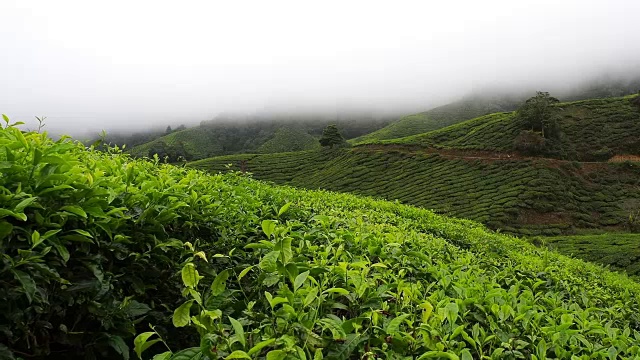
[619,251]
[524,196]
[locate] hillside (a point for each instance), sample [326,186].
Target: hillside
[98,246]
[619,251]
[494,101]
[526,196]
[589,130]
[241,134]
[468,108]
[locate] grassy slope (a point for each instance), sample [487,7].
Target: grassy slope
[440,117]
[197,143]
[206,142]
[588,129]
[523,196]
[230,135]
[289,139]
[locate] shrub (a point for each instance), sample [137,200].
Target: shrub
[529,142]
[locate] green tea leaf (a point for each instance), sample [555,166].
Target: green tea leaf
[394,325]
[466,354]
[287,253]
[202,255]
[451,310]
[311,296]
[190,276]
[237,327]
[163,356]
[28,285]
[76,210]
[335,327]
[36,239]
[439,355]
[283,209]
[238,354]
[261,345]
[268,226]
[269,262]
[118,344]
[244,272]
[340,291]
[141,343]
[5,229]
[83,233]
[300,279]
[219,283]
[276,355]
[193,353]
[24,203]
[181,316]
[427,309]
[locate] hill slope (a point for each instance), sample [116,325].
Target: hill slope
[590,130]
[525,196]
[619,251]
[241,134]
[98,245]
[491,101]
[442,116]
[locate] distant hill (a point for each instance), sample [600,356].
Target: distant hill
[470,170]
[443,116]
[589,130]
[483,103]
[233,134]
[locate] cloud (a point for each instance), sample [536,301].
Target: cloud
[124,64]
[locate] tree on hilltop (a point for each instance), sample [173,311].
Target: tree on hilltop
[331,136]
[539,114]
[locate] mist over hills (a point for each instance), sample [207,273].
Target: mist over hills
[230,133]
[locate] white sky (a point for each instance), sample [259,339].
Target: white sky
[108,64]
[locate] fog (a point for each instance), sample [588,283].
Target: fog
[133,64]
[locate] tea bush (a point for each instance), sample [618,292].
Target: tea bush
[98,247]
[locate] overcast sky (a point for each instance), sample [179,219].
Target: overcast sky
[94,65]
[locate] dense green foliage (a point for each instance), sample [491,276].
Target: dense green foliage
[620,251]
[231,135]
[97,245]
[331,137]
[525,196]
[590,130]
[540,114]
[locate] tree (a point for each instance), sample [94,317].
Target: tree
[539,114]
[168,131]
[331,136]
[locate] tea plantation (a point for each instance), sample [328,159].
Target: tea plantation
[442,116]
[99,249]
[589,130]
[523,196]
[619,251]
